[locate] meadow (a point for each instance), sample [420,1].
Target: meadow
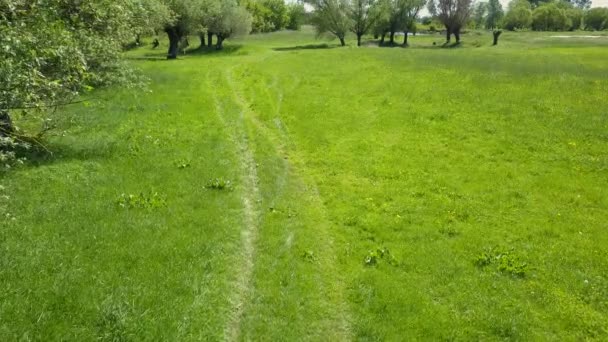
[290,189]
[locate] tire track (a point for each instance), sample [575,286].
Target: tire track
[251,217]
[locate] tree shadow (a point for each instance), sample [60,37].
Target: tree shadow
[58,152]
[213,51]
[161,54]
[306,47]
[448,45]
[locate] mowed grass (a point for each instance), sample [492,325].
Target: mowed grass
[375,194]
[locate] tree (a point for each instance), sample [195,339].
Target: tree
[53,51]
[225,18]
[479,14]
[519,15]
[278,13]
[148,16]
[550,17]
[331,16]
[495,14]
[596,19]
[267,15]
[409,12]
[454,14]
[296,13]
[187,15]
[363,15]
[431,6]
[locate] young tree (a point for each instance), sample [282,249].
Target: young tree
[454,14]
[364,15]
[495,14]
[331,16]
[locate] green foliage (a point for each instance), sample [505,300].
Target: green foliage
[505,261]
[519,15]
[479,14]
[495,14]
[373,257]
[152,200]
[454,14]
[331,17]
[596,19]
[550,17]
[270,15]
[297,14]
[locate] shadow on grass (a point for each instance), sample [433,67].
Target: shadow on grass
[213,51]
[161,54]
[448,45]
[306,47]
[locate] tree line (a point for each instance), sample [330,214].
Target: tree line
[385,18]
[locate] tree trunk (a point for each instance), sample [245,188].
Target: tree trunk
[202,38]
[392,37]
[342,42]
[496,35]
[382,39]
[174,39]
[358,39]
[209,39]
[448,35]
[405,38]
[457,35]
[220,42]
[138,39]
[6,124]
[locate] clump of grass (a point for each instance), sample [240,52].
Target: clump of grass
[141,201]
[309,256]
[219,184]
[373,257]
[506,262]
[182,163]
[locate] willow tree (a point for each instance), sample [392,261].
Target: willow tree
[186,18]
[225,19]
[453,14]
[331,16]
[363,14]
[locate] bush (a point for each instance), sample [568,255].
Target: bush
[596,19]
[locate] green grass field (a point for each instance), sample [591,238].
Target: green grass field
[374,194]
